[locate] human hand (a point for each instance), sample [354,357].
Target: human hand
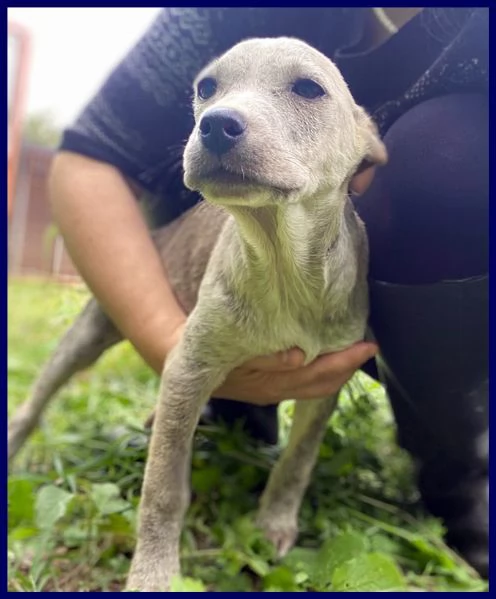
[271,379]
[362,179]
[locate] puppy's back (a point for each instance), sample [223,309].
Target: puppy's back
[185,247]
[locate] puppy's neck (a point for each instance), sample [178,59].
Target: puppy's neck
[295,239]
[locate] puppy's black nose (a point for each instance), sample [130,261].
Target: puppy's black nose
[221,129]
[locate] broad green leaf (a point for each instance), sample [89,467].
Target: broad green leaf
[257,565]
[51,505]
[186,585]
[78,534]
[381,543]
[280,579]
[107,500]
[336,551]
[21,533]
[369,572]
[303,560]
[20,502]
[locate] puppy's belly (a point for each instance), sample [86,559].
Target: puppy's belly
[313,340]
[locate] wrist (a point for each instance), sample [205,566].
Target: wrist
[155,338]
[173,332]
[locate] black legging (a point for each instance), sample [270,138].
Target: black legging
[427,220]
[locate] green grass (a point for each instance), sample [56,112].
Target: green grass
[74,488]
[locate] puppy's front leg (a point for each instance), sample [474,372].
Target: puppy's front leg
[186,385]
[288,481]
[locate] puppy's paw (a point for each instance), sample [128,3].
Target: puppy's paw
[280,530]
[148,584]
[151,577]
[282,539]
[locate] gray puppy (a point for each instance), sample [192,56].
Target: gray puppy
[277,140]
[282,260]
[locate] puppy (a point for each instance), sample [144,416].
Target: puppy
[277,140]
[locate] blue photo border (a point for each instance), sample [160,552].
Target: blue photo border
[492,218]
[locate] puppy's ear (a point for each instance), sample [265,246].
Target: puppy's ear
[376,152]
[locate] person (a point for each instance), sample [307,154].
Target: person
[423,76]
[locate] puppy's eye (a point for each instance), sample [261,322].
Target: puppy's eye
[306,88]
[206,88]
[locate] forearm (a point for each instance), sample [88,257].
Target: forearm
[110,245]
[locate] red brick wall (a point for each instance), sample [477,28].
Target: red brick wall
[33,246]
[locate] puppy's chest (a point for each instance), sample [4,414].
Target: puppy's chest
[315,321]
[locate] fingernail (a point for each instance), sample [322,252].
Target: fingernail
[372,349]
[287,357]
[292,357]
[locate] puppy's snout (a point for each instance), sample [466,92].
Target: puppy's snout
[221,129]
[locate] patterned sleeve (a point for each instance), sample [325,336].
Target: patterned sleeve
[141,117]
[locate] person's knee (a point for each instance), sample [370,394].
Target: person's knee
[427,210]
[439,151]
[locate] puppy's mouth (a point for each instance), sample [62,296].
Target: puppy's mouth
[222,181]
[223,176]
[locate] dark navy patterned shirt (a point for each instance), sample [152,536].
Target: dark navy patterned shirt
[140,119]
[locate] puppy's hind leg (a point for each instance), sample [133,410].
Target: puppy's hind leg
[281,500]
[82,345]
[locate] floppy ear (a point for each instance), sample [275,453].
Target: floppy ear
[376,152]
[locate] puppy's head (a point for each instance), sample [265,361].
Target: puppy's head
[275,123]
